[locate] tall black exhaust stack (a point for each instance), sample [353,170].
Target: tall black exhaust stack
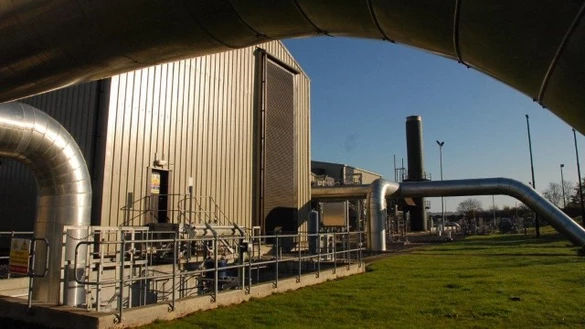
[416,171]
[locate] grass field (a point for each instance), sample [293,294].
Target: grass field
[506,281]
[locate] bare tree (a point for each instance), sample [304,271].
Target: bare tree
[469,207]
[554,194]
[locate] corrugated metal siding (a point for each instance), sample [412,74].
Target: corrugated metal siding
[303,130]
[196,114]
[280,190]
[367,177]
[17,197]
[76,109]
[343,173]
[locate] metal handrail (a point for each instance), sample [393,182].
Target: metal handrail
[243,266]
[215,215]
[204,208]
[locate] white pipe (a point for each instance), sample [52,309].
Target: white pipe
[491,186]
[34,138]
[382,189]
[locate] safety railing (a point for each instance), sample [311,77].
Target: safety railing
[202,209]
[177,208]
[135,279]
[143,210]
[24,257]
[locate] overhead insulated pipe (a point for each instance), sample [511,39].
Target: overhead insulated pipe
[340,192]
[380,190]
[33,138]
[491,186]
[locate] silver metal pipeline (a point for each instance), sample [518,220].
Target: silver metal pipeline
[493,186]
[340,192]
[381,189]
[32,137]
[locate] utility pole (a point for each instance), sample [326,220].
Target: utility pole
[442,201]
[579,181]
[494,208]
[563,187]
[536,224]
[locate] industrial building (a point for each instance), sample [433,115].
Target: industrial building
[329,173]
[341,215]
[220,139]
[213,130]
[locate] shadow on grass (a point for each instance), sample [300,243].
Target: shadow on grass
[553,241]
[550,244]
[503,254]
[515,239]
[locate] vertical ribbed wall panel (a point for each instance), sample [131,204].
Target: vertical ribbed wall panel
[280,156]
[197,114]
[76,108]
[17,197]
[303,127]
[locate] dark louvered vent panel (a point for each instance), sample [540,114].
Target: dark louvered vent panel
[279,153]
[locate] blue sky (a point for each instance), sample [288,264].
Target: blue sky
[363,90]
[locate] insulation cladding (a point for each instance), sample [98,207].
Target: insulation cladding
[196,114]
[77,108]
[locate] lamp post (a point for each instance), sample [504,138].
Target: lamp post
[579,182]
[536,224]
[494,208]
[442,201]
[563,186]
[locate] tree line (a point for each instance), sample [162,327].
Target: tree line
[476,220]
[566,198]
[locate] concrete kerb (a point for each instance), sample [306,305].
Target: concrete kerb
[67,317]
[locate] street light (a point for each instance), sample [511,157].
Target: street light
[579,179]
[442,201]
[536,224]
[563,187]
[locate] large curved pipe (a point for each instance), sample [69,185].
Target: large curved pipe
[537,47]
[490,186]
[34,138]
[382,189]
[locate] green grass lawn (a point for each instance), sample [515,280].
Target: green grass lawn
[505,281]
